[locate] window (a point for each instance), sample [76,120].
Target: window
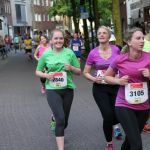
[36,17]
[43,17]
[52,3]
[0,24]
[47,17]
[47,3]
[39,17]
[5,8]
[34,2]
[9,9]
[43,3]
[38,2]
[20,13]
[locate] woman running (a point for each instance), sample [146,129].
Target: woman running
[132,102]
[28,47]
[38,53]
[61,64]
[104,94]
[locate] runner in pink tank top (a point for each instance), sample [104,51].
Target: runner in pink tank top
[41,48]
[133,99]
[38,53]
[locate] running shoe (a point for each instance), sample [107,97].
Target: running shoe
[43,90]
[52,123]
[109,147]
[117,133]
[146,127]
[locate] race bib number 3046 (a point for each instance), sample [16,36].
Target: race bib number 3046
[136,93]
[60,80]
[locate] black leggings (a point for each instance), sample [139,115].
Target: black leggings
[132,122]
[43,80]
[60,103]
[105,96]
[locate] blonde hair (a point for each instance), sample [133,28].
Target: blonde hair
[107,29]
[127,37]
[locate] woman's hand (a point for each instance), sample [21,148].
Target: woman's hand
[98,80]
[68,67]
[50,76]
[123,80]
[145,72]
[75,70]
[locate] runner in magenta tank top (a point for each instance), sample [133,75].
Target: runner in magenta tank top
[104,94]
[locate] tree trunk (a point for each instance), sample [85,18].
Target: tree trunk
[75,19]
[86,36]
[96,14]
[117,21]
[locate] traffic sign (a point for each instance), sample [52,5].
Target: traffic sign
[84,15]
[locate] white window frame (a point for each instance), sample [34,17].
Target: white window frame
[43,17]
[47,2]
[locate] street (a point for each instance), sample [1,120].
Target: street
[25,114]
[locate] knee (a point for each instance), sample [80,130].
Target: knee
[66,124]
[60,121]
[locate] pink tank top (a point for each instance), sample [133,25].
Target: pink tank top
[42,49]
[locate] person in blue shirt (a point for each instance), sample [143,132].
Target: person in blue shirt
[75,45]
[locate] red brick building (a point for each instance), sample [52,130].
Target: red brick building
[41,19]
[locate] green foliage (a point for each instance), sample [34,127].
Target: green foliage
[105,10]
[60,7]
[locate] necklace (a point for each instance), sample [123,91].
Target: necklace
[105,53]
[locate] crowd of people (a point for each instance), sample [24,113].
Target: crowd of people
[120,82]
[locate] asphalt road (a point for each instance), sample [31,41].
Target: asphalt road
[25,114]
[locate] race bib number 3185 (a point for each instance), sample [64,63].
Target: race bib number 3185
[136,93]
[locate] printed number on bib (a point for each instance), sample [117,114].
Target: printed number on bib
[136,93]
[75,48]
[60,80]
[101,73]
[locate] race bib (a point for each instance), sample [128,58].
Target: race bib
[60,80]
[136,93]
[75,48]
[101,73]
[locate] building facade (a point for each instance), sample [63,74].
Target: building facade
[21,20]
[41,20]
[5,18]
[138,11]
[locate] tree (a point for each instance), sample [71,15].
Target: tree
[75,6]
[105,11]
[60,7]
[68,8]
[96,14]
[117,21]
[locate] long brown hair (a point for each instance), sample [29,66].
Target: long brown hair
[127,37]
